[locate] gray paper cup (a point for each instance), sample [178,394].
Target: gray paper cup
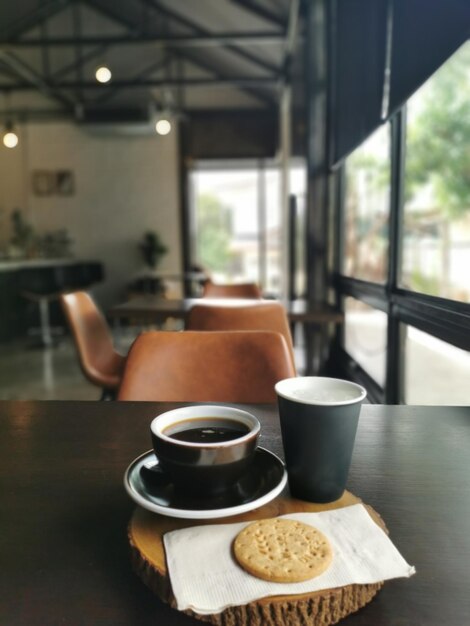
[319,418]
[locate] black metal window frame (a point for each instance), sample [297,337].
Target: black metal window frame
[442,318]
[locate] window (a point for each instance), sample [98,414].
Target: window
[403,267]
[226,223]
[236,221]
[435,372]
[436,246]
[367,203]
[366,337]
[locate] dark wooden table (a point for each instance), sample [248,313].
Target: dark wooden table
[63,546]
[154,310]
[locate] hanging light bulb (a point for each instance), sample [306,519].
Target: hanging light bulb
[103,74]
[163,126]
[10,138]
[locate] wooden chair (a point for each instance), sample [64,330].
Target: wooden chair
[100,362]
[219,366]
[237,290]
[257,316]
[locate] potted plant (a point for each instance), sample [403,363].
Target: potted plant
[23,240]
[153,249]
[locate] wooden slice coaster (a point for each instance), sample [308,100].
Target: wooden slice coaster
[319,608]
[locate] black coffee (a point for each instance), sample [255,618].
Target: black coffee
[207,430]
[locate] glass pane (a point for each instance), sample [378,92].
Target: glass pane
[236,223]
[226,224]
[272,232]
[435,371]
[298,187]
[367,203]
[365,337]
[436,247]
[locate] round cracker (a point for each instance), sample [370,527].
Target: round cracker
[282,550]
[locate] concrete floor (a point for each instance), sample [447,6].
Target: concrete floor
[32,373]
[43,374]
[28,373]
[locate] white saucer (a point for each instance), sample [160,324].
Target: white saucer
[154,491]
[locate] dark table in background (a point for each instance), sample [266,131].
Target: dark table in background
[24,281]
[154,310]
[155,283]
[63,546]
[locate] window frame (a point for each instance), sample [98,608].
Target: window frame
[448,320]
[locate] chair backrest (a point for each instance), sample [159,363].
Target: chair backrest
[257,316]
[100,363]
[237,290]
[219,366]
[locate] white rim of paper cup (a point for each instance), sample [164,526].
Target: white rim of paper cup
[162,421]
[284,389]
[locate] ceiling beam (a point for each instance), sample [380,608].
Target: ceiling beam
[134,31]
[72,67]
[200,30]
[148,71]
[112,15]
[205,63]
[42,12]
[77,32]
[291,38]
[210,67]
[36,113]
[265,81]
[34,80]
[192,41]
[261,11]
[97,52]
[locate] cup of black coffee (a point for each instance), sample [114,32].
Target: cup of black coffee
[205,449]
[319,418]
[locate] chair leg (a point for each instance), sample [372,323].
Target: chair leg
[46,335]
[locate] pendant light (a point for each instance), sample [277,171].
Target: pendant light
[10,138]
[163,126]
[103,74]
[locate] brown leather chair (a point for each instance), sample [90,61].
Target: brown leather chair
[257,316]
[219,366]
[237,290]
[100,362]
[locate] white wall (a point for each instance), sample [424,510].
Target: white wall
[125,185]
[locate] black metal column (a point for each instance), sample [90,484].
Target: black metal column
[184,208]
[394,384]
[316,21]
[291,253]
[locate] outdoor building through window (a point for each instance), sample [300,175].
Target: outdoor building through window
[236,222]
[405,258]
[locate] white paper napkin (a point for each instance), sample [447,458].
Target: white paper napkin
[206,578]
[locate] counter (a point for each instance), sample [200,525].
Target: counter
[41,277]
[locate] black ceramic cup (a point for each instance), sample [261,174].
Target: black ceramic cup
[319,418]
[205,448]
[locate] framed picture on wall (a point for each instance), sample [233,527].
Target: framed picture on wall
[44,183]
[65,183]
